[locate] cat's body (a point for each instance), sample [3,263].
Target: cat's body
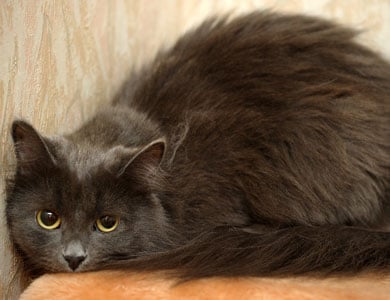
[255,146]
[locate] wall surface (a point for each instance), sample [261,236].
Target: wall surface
[61,60]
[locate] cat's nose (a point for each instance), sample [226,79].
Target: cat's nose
[74,261]
[74,253]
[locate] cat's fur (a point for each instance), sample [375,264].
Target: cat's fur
[257,146]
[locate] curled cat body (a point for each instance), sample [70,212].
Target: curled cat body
[255,146]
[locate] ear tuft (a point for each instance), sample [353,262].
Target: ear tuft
[147,158]
[151,154]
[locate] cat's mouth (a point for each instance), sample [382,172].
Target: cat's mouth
[114,260]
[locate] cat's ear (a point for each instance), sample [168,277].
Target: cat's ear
[146,160]
[32,152]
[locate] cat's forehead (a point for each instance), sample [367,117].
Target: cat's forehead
[84,159]
[83,197]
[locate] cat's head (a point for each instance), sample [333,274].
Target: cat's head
[73,207]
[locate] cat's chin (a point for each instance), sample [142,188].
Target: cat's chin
[64,269]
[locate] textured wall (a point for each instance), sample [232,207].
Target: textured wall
[61,60]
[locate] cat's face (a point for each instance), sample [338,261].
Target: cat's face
[64,219]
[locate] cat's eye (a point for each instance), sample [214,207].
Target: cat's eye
[48,219]
[107,223]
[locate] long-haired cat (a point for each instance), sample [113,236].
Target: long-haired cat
[254,146]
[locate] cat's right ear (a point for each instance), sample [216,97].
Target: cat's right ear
[32,152]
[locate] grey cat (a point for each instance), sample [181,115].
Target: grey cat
[254,146]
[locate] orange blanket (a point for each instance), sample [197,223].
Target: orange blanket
[127,285]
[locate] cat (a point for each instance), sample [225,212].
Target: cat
[254,146]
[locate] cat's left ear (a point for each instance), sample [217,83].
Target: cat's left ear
[32,152]
[146,160]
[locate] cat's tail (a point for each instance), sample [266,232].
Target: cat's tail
[294,250]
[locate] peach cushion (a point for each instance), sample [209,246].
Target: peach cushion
[130,285]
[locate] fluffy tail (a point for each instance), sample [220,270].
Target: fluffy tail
[279,252]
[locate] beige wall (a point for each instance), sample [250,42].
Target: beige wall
[61,60]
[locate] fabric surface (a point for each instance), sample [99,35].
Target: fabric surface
[126,285]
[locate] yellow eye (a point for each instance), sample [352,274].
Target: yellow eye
[107,223]
[48,220]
